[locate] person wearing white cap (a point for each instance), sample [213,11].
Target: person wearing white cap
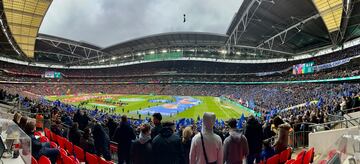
[206,146]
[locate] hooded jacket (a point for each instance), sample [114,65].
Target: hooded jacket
[235,148]
[167,147]
[141,150]
[212,143]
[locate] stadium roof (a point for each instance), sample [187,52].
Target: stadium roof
[294,26]
[261,29]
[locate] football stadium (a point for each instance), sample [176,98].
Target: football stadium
[188,82]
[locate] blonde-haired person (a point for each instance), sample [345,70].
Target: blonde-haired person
[187,135]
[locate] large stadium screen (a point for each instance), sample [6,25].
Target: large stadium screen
[52,74]
[304,68]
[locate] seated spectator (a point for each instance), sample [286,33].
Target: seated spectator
[38,149]
[187,135]
[282,141]
[87,141]
[141,149]
[267,151]
[102,142]
[74,134]
[17,117]
[23,122]
[206,147]
[167,147]
[235,145]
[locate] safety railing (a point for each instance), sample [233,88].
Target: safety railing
[336,124]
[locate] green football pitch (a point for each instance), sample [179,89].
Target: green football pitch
[130,104]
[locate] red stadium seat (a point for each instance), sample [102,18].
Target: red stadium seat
[33,160]
[53,144]
[91,158]
[62,152]
[290,161]
[273,160]
[44,139]
[80,154]
[113,148]
[44,160]
[61,141]
[47,133]
[309,156]
[301,155]
[68,160]
[285,155]
[69,146]
[37,133]
[103,161]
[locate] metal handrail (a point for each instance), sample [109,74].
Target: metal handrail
[346,121]
[352,109]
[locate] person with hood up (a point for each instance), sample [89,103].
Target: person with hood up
[236,147]
[206,146]
[141,149]
[167,146]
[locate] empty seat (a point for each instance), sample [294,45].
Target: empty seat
[44,160]
[80,154]
[309,156]
[285,155]
[33,160]
[91,158]
[273,160]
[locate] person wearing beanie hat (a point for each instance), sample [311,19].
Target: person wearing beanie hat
[206,147]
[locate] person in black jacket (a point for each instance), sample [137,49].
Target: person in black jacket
[111,125]
[167,147]
[37,148]
[74,134]
[123,135]
[141,149]
[157,122]
[253,133]
[102,142]
[87,142]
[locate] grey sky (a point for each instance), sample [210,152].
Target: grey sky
[107,22]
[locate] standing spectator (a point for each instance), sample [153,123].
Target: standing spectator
[235,145]
[282,141]
[141,149]
[102,142]
[123,135]
[87,142]
[187,135]
[74,134]
[254,136]
[111,125]
[84,121]
[157,122]
[206,147]
[167,147]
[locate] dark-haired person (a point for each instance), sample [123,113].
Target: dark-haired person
[87,141]
[235,145]
[111,125]
[254,135]
[17,117]
[37,148]
[102,142]
[157,123]
[167,146]
[23,122]
[141,149]
[123,135]
[74,134]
